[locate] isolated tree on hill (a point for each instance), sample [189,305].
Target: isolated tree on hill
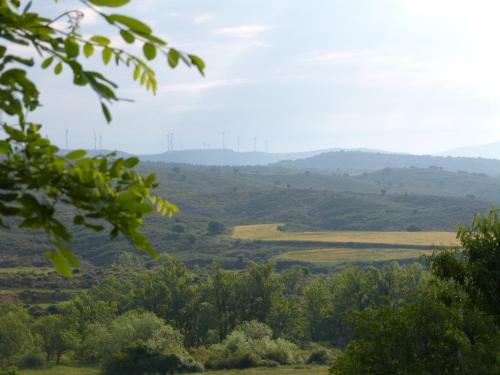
[105,192]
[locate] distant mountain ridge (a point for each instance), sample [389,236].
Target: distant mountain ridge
[372,161]
[221,157]
[336,160]
[490,151]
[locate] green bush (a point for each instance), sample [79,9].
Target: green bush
[32,360]
[250,345]
[11,370]
[242,359]
[255,330]
[320,356]
[139,359]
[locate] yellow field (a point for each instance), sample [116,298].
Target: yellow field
[63,370]
[270,232]
[334,256]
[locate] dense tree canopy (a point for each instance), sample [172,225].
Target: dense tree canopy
[105,193]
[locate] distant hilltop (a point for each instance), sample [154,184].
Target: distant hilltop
[360,161]
[332,160]
[490,150]
[221,157]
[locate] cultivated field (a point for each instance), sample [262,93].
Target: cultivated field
[353,247]
[270,232]
[335,256]
[63,370]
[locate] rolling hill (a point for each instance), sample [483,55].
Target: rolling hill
[357,161]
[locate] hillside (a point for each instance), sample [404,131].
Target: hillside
[384,200]
[356,161]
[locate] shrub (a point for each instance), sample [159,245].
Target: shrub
[32,360]
[255,330]
[237,340]
[213,358]
[11,370]
[320,356]
[282,351]
[214,228]
[242,359]
[139,359]
[134,326]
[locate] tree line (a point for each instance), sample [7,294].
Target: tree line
[388,320]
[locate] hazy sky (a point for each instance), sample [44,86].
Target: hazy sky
[418,76]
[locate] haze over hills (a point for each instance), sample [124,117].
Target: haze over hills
[336,160]
[489,150]
[222,157]
[372,161]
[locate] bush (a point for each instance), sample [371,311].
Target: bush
[250,345]
[242,359]
[320,356]
[214,228]
[11,370]
[32,360]
[139,359]
[255,330]
[282,351]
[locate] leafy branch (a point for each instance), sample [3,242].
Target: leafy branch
[105,192]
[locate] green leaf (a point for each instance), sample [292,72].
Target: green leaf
[59,262]
[88,49]
[109,3]
[127,37]
[68,254]
[199,63]
[173,58]
[137,72]
[58,69]
[76,154]
[132,23]
[101,40]
[105,111]
[4,147]
[149,50]
[131,162]
[71,47]
[46,63]
[106,55]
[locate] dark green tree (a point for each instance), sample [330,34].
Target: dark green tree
[35,179]
[57,335]
[476,266]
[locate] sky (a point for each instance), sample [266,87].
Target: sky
[416,76]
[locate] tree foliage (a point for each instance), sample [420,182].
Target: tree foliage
[476,267]
[35,179]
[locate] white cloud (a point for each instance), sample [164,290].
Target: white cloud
[196,88]
[244,31]
[331,57]
[202,18]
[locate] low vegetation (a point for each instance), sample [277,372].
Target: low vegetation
[377,320]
